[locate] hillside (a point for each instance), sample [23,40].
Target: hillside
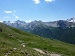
[63,30]
[14,42]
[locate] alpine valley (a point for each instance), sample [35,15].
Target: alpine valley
[63,30]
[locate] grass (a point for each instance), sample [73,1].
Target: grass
[8,43]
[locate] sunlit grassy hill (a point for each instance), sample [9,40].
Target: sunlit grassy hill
[14,42]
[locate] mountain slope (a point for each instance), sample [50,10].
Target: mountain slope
[14,42]
[63,30]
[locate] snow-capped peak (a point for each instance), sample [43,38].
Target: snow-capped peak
[71,20]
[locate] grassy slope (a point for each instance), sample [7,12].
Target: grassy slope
[7,43]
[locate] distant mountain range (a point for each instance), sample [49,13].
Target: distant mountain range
[63,30]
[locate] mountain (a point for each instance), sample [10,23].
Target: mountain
[63,30]
[14,42]
[71,20]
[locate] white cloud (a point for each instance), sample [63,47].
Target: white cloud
[36,1]
[8,12]
[49,0]
[16,17]
[6,17]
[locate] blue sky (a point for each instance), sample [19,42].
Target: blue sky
[29,10]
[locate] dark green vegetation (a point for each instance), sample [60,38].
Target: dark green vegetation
[11,41]
[65,35]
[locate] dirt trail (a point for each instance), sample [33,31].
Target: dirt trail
[42,52]
[54,55]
